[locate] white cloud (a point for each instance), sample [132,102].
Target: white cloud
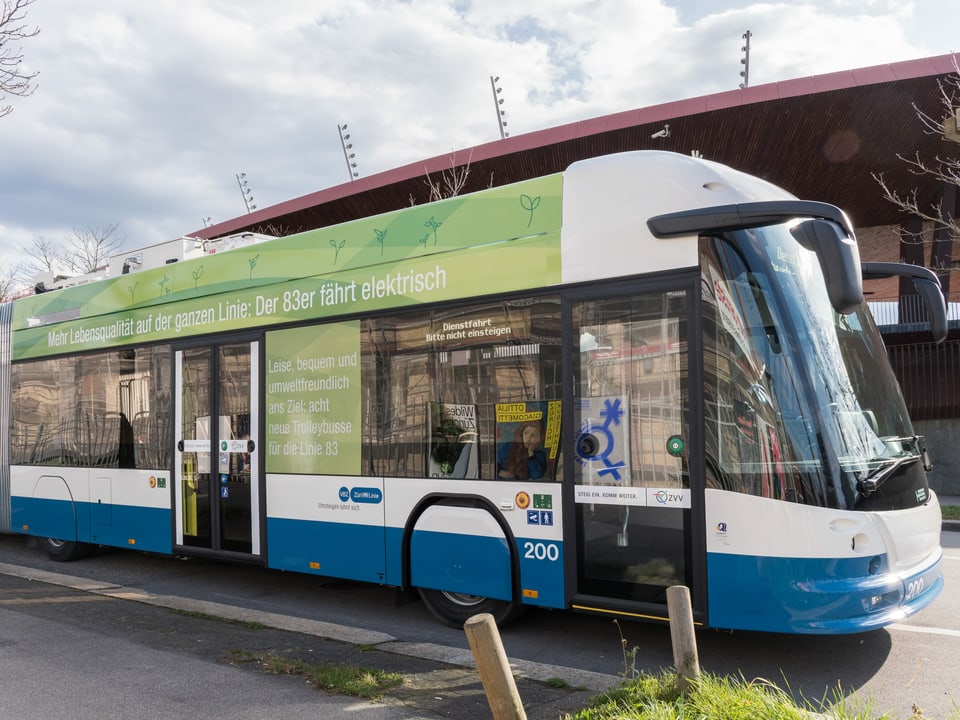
[144,112]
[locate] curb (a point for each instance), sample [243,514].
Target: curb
[950,526]
[537,671]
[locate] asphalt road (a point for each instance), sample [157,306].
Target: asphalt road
[94,653]
[915,662]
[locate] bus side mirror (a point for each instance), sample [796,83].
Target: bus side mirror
[927,285]
[839,260]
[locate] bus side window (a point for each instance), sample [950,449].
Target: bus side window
[434,383]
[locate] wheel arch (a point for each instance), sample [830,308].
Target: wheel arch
[465,501]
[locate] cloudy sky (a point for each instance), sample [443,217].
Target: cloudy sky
[144,113]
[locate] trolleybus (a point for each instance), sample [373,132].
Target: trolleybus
[571,392]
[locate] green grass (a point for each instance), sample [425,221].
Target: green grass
[248,624]
[368,683]
[656,697]
[950,512]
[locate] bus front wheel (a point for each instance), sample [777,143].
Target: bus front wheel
[65,550]
[454,609]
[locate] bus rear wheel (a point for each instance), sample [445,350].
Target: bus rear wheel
[65,550]
[454,609]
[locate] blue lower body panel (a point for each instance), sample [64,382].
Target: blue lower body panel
[541,573]
[465,564]
[813,595]
[140,528]
[352,552]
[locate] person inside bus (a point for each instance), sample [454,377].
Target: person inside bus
[523,459]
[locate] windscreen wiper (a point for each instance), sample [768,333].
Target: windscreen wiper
[872,482]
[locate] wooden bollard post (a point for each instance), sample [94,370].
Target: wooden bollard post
[685,657]
[491,659]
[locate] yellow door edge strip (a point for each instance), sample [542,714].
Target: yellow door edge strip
[624,613]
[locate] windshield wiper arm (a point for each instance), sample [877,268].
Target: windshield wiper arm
[872,482]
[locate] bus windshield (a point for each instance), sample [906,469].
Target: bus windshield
[800,401]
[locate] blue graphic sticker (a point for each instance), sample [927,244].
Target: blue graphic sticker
[596,442]
[344,494]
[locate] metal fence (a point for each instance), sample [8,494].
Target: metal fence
[929,375]
[928,372]
[907,310]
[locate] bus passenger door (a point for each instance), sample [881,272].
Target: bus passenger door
[631,438]
[217,483]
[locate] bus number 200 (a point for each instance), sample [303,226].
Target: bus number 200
[914,588]
[540,551]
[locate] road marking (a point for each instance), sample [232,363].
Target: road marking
[926,630]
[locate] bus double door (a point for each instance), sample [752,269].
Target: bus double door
[217,496]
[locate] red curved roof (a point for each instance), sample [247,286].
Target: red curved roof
[820,137]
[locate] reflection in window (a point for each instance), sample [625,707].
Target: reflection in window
[432,384]
[758,439]
[35,436]
[102,410]
[632,483]
[631,391]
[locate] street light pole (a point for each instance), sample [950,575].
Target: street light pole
[246,192]
[745,60]
[347,157]
[497,102]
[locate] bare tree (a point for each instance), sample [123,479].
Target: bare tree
[451,181]
[89,248]
[85,251]
[943,167]
[13,81]
[44,256]
[9,281]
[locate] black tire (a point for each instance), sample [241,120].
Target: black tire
[65,550]
[454,609]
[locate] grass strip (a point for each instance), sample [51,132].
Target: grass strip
[364,682]
[713,697]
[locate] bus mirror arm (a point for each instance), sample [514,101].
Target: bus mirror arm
[927,285]
[826,230]
[839,260]
[924,454]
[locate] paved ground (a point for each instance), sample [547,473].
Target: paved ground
[439,682]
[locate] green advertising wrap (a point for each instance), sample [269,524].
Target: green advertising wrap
[499,240]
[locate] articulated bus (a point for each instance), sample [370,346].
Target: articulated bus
[572,392]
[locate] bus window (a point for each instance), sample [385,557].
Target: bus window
[100,410]
[434,385]
[36,413]
[632,363]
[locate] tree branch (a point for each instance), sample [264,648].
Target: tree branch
[13,81]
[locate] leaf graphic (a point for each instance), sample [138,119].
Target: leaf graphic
[529,204]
